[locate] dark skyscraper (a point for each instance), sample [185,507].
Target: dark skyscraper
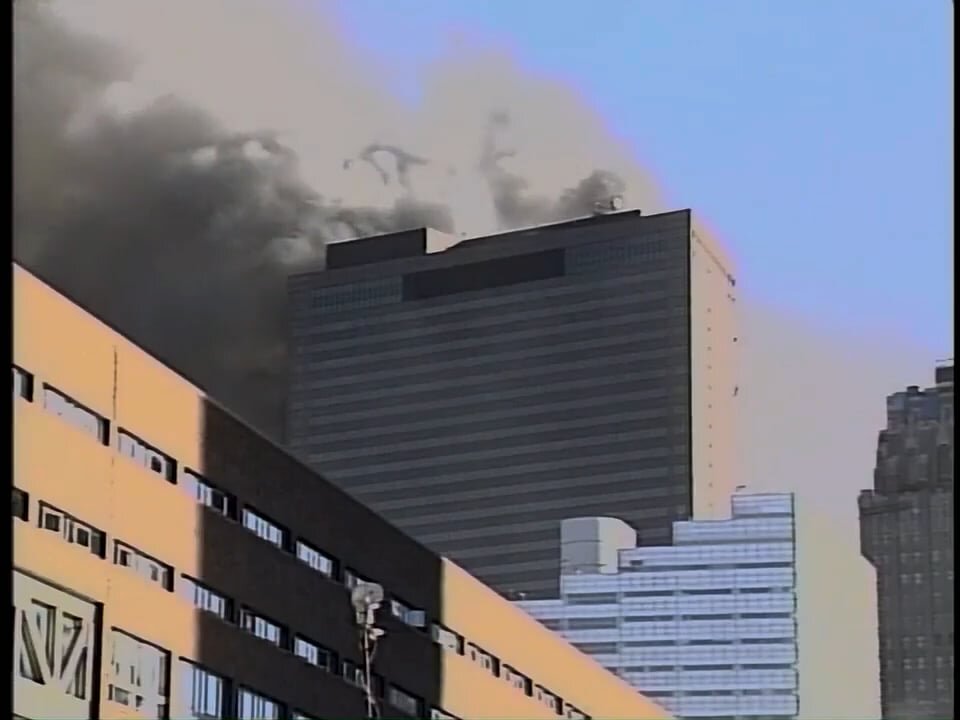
[477,393]
[906,526]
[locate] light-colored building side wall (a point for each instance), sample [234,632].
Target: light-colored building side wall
[714,345]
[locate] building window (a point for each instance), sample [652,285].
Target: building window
[72,530]
[264,529]
[573,713]
[200,489]
[261,627]
[447,639]
[592,598]
[404,702]
[146,456]
[547,698]
[206,599]
[76,414]
[518,680]
[483,659]
[22,384]
[352,673]
[144,565]
[253,706]
[203,693]
[306,650]
[407,614]
[323,564]
[138,675]
[21,504]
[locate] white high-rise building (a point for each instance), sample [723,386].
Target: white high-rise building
[765,615]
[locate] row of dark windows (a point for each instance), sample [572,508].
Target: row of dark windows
[542,300]
[484,275]
[225,504]
[77,532]
[610,320]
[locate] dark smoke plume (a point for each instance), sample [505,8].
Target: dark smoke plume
[176,216]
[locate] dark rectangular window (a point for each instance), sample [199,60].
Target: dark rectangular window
[404,702]
[264,529]
[22,384]
[76,414]
[322,563]
[407,615]
[483,659]
[594,623]
[21,504]
[203,694]
[520,681]
[592,599]
[147,456]
[352,672]
[205,598]
[263,628]
[72,530]
[499,272]
[447,639]
[254,706]
[201,490]
[147,567]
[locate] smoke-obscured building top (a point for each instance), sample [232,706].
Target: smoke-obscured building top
[479,394]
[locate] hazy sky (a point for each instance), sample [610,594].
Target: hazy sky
[816,136]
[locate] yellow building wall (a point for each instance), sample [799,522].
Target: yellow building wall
[59,343]
[54,462]
[513,636]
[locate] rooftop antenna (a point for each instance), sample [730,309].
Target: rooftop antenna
[366,598]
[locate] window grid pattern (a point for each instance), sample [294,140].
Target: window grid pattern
[261,627]
[707,628]
[254,706]
[138,675]
[146,456]
[76,414]
[205,598]
[200,489]
[263,528]
[315,559]
[147,567]
[203,693]
[74,531]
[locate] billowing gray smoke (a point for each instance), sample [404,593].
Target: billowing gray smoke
[174,161]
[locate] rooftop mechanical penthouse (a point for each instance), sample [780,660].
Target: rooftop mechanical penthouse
[477,393]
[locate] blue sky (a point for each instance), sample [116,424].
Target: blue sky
[815,137]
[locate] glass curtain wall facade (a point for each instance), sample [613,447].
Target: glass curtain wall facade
[477,396]
[707,626]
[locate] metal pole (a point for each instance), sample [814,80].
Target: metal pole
[367,672]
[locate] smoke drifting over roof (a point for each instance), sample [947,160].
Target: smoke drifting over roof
[174,160]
